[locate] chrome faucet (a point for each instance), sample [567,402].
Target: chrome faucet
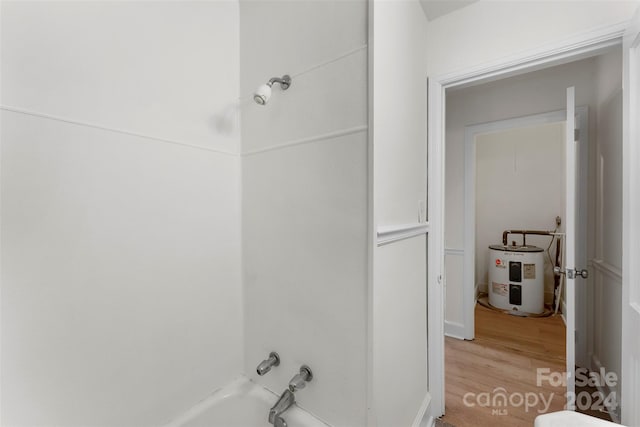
[287,399]
[266,365]
[301,379]
[279,422]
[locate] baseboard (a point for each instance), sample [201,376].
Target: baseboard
[429,422]
[424,418]
[606,390]
[454,330]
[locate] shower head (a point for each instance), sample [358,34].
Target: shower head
[263,93]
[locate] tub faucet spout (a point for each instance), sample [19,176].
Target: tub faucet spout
[279,422]
[287,399]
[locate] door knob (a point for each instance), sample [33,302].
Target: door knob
[584,273]
[572,273]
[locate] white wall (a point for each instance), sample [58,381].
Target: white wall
[398,312]
[305,200]
[519,176]
[519,96]
[488,31]
[121,293]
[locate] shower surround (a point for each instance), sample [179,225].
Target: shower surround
[304,200]
[124,284]
[162,233]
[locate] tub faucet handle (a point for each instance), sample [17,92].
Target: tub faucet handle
[301,379]
[266,365]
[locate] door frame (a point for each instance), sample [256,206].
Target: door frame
[630,367]
[582,46]
[469,290]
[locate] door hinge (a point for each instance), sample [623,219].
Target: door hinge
[576,134]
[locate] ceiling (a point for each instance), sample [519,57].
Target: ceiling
[436,8]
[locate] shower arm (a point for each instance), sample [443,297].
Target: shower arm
[285,81]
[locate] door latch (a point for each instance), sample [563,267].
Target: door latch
[572,273]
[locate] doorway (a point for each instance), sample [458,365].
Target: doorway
[512,179]
[523,94]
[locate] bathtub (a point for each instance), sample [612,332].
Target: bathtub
[242,403]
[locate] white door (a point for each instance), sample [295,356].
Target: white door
[575,232]
[570,242]
[630,375]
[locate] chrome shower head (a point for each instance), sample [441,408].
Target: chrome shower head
[263,93]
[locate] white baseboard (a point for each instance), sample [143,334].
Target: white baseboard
[606,390]
[429,422]
[424,418]
[454,329]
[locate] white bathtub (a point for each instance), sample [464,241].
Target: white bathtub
[242,403]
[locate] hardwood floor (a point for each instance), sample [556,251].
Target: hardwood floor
[503,360]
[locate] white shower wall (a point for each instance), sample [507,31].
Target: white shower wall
[121,284]
[304,178]
[149,256]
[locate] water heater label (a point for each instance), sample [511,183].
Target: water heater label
[500,263]
[501,289]
[529,271]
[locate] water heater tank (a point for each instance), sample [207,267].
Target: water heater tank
[516,278]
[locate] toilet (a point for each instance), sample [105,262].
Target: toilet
[570,419]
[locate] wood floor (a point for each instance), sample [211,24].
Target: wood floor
[503,360]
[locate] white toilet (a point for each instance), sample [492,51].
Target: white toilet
[570,419]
